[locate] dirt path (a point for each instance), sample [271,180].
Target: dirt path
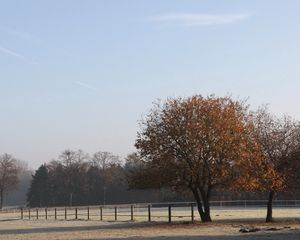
[94,230]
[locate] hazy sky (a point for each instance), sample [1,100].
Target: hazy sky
[81,74]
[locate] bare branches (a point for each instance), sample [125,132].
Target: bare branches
[104,160]
[9,170]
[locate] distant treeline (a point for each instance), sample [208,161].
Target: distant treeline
[77,179]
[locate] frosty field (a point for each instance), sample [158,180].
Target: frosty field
[226,226]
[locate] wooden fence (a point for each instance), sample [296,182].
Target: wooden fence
[163,212]
[134,212]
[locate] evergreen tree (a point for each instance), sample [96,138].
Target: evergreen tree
[37,195]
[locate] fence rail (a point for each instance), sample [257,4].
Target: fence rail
[172,211]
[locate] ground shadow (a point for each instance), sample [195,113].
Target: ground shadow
[287,234]
[77,228]
[257,220]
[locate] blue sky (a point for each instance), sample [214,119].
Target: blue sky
[81,74]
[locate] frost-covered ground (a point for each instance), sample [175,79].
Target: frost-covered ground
[226,227]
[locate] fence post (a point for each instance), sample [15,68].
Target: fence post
[46,213]
[101,215]
[21,213]
[149,213]
[88,213]
[192,212]
[65,213]
[55,214]
[29,213]
[170,213]
[131,211]
[76,214]
[116,214]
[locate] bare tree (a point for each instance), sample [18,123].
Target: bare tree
[133,161]
[106,162]
[74,164]
[9,171]
[70,157]
[293,170]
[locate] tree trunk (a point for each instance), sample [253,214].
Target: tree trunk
[1,196]
[207,210]
[205,195]
[203,209]
[269,217]
[40,200]
[104,194]
[71,200]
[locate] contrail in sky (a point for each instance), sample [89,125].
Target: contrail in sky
[15,55]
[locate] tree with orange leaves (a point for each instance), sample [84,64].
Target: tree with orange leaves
[279,139]
[197,143]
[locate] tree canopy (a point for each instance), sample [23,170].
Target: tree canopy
[198,143]
[279,141]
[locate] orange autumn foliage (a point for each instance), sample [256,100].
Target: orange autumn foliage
[200,143]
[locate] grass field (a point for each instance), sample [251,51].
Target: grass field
[226,226]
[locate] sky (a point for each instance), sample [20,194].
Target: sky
[82,74]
